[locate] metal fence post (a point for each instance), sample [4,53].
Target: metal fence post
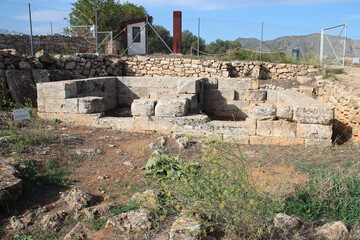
[198,40]
[96,31]
[261,42]
[31,34]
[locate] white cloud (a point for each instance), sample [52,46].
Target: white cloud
[226,4]
[46,15]
[353,17]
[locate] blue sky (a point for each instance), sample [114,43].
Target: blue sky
[226,19]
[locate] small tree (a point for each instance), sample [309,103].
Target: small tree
[220,46]
[189,40]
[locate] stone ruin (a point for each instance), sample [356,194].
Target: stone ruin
[226,107]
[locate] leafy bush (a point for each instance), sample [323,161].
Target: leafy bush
[328,196]
[223,193]
[169,168]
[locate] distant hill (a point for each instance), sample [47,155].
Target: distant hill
[310,44]
[5,31]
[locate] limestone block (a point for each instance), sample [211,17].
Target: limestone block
[278,141]
[143,107]
[70,66]
[238,83]
[21,86]
[171,107]
[91,105]
[318,143]
[280,128]
[219,94]
[251,95]
[23,65]
[262,111]
[313,114]
[251,126]
[189,86]
[50,105]
[225,105]
[185,228]
[272,96]
[284,111]
[312,131]
[307,91]
[57,90]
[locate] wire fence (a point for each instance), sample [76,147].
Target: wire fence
[200,37]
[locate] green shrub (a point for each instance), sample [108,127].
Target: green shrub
[328,196]
[224,193]
[123,208]
[168,167]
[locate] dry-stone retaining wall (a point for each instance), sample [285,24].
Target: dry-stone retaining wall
[186,67]
[177,105]
[52,43]
[19,74]
[347,107]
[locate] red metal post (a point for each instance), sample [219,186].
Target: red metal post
[177,32]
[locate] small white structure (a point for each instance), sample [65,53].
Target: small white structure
[137,43]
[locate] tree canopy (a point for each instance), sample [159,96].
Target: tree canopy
[220,46]
[110,13]
[189,40]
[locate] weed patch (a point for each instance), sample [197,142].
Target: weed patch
[222,192]
[328,196]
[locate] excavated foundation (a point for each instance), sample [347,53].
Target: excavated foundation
[229,108]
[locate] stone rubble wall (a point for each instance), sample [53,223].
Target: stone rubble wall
[18,72]
[347,107]
[186,67]
[52,43]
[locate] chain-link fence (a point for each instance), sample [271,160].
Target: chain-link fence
[48,28]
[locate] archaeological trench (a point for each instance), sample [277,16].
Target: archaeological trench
[185,96]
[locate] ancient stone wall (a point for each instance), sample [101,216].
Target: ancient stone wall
[19,74]
[52,43]
[186,67]
[190,106]
[347,107]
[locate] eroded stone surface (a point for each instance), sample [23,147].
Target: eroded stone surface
[185,228]
[143,107]
[133,221]
[10,183]
[332,231]
[171,107]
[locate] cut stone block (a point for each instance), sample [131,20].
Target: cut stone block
[312,131]
[91,105]
[21,86]
[189,86]
[284,111]
[262,111]
[279,141]
[251,95]
[171,107]
[238,83]
[313,114]
[143,107]
[219,94]
[283,129]
[319,143]
[57,90]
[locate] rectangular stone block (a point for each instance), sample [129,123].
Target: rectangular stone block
[143,107]
[284,111]
[49,105]
[314,131]
[171,107]
[263,111]
[189,86]
[91,105]
[278,141]
[219,94]
[238,83]
[251,95]
[210,83]
[280,128]
[318,143]
[148,82]
[225,105]
[57,90]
